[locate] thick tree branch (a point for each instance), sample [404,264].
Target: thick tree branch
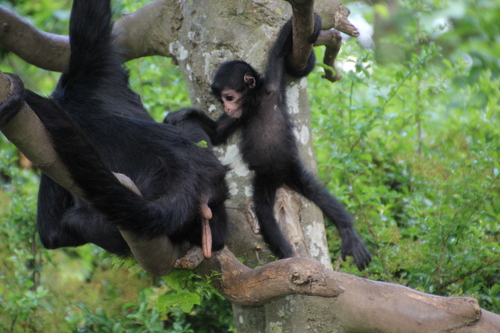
[22,127]
[157,256]
[356,304]
[250,287]
[137,35]
[303,27]
[150,31]
[36,47]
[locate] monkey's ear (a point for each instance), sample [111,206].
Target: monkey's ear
[249,80]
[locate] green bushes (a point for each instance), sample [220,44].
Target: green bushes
[413,150]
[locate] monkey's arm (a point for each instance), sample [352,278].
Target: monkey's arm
[197,116]
[205,122]
[274,76]
[278,64]
[226,126]
[311,62]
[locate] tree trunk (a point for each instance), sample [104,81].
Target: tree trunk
[293,295]
[248,37]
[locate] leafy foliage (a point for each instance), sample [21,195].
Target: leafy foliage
[414,154]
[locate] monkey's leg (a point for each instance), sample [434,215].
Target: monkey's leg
[53,202]
[264,197]
[303,182]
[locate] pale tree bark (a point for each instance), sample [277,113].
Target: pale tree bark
[301,294]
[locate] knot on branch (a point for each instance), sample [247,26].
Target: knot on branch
[308,278]
[464,307]
[298,278]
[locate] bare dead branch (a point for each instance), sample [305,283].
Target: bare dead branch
[303,26]
[149,30]
[343,24]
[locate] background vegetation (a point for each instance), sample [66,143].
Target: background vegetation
[409,140]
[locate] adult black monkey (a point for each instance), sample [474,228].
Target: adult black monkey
[98,125]
[200,128]
[258,107]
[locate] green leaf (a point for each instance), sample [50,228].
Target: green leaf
[187,300]
[178,278]
[167,301]
[202,144]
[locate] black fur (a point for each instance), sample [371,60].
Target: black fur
[99,126]
[195,124]
[269,146]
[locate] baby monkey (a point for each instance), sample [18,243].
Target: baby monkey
[257,106]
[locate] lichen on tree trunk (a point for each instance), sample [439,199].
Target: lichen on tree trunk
[210,51]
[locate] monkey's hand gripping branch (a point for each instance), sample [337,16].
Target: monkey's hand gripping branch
[20,124]
[334,16]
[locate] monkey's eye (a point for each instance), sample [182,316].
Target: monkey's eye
[228,98]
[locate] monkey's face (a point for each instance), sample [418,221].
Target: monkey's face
[232,101]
